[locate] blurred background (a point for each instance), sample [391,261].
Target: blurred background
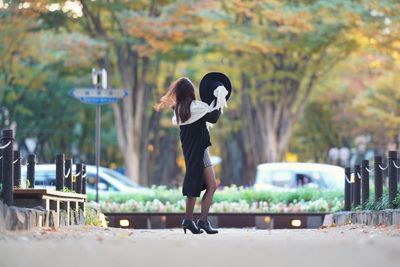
[313,80]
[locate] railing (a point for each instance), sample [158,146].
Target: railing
[356,189]
[10,171]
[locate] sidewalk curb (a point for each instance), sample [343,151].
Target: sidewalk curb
[382,217]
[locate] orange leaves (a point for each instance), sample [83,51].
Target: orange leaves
[251,47]
[244,8]
[173,25]
[296,22]
[158,35]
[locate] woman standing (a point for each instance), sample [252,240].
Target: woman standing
[193,118]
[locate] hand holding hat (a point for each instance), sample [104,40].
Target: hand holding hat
[221,93]
[215,86]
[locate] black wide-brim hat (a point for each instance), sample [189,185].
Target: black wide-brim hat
[211,81]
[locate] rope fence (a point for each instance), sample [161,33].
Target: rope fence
[12,162]
[357,190]
[395,165]
[383,168]
[67,175]
[347,179]
[6,145]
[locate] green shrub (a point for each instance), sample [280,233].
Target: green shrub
[397,200]
[227,194]
[95,217]
[228,199]
[383,203]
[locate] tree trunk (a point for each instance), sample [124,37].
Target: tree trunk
[233,165]
[251,142]
[129,112]
[268,124]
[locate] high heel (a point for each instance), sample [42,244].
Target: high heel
[206,226]
[189,224]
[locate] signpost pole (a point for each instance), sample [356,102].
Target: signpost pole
[98,96]
[97,78]
[98,122]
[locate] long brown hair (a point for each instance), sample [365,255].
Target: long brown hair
[179,96]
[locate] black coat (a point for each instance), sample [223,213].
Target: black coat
[195,139]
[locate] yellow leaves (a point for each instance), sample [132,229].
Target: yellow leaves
[244,7]
[375,64]
[173,26]
[358,36]
[158,33]
[395,55]
[177,36]
[258,47]
[353,17]
[396,44]
[295,22]
[380,101]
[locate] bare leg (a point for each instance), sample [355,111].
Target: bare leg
[190,202]
[211,184]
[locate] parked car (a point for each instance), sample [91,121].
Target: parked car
[287,175]
[109,180]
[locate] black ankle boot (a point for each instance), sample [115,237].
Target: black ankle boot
[206,226]
[189,224]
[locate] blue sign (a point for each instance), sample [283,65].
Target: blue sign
[98,96]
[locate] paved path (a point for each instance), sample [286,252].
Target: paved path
[89,246]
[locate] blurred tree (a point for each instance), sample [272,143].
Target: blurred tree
[35,77]
[277,53]
[138,39]
[316,132]
[18,54]
[359,94]
[283,51]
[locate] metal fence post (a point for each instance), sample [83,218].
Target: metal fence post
[30,172]
[84,179]
[68,174]
[392,177]
[357,186]
[378,178]
[8,169]
[1,167]
[17,169]
[78,181]
[60,172]
[364,183]
[347,188]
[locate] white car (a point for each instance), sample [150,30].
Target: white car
[110,181]
[288,175]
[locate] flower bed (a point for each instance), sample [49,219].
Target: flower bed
[228,199]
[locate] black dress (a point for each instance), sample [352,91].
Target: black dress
[195,139]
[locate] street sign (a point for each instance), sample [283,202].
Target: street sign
[98,96]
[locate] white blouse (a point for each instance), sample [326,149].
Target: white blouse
[198,108]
